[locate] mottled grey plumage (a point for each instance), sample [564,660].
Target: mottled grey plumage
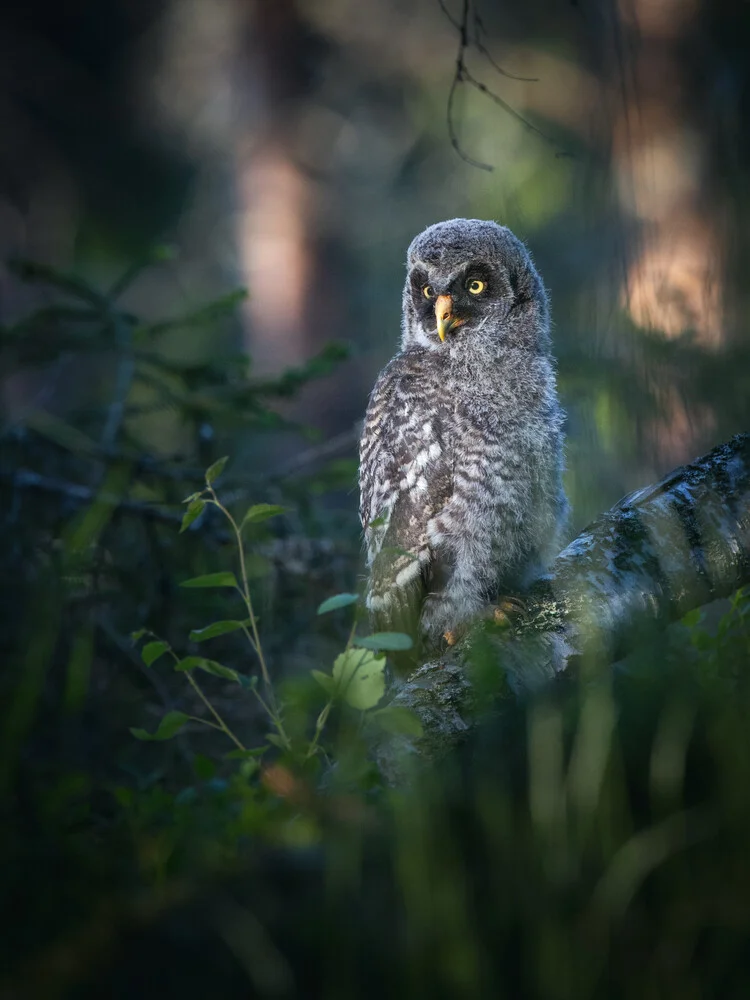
[461,452]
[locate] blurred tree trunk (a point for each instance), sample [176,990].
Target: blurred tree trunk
[282,255]
[674,281]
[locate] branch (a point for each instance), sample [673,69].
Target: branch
[26,479]
[462,75]
[657,554]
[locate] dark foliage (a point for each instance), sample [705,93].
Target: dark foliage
[590,841]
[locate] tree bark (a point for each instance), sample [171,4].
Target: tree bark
[656,555]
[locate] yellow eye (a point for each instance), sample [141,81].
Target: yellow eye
[428,291]
[476,286]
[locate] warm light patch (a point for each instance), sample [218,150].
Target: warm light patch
[672,435]
[273,242]
[674,285]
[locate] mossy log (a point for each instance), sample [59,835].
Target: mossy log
[656,555]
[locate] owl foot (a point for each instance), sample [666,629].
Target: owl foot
[450,637]
[507,611]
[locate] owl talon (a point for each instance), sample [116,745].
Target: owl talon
[507,611]
[450,637]
[499,617]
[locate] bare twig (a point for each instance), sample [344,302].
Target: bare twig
[463,75]
[310,456]
[123,383]
[26,479]
[467,76]
[479,31]
[449,16]
[457,79]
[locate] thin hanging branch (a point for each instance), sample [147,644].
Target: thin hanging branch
[462,75]
[480,32]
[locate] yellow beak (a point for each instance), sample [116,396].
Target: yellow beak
[446,321]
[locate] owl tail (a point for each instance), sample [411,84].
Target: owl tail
[394,599]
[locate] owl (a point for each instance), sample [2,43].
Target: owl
[461,455]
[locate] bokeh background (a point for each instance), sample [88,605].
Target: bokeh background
[295,148]
[157,156]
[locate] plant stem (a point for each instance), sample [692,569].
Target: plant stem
[221,724]
[247,634]
[352,633]
[205,722]
[245,590]
[319,726]
[271,707]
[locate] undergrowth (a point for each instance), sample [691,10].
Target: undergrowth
[189,801]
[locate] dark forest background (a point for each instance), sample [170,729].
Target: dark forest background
[204,214]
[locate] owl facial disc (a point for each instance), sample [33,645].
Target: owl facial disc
[446,321]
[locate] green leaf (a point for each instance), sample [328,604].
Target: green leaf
[169,726]
[360,678]
[276,740]
[210,666]
[219,670]
[336,602]
[216,628]
[152,651]
[325,680]
[138,635]
[225,579]
[245,754]
[399,720]
[261,512]
[214,471]
[385,640]
[323,717]
[692,618]
[188,663]
[248,768]
[379,521]
[193,496]
[194,511]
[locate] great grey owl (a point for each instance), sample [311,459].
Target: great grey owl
[461,455]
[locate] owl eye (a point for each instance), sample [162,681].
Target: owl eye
[428,291]
[475,286]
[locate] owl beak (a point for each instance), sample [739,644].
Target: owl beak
[446,321]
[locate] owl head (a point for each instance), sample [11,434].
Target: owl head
[471,284]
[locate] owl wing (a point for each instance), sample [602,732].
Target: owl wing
[405,478]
